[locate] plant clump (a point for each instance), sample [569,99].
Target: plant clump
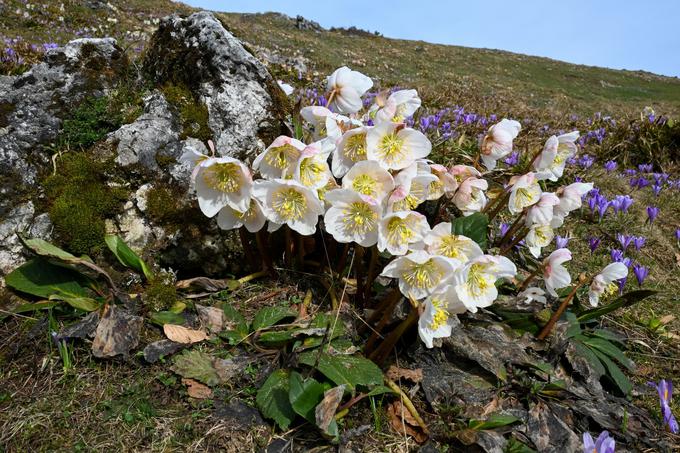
[192,112]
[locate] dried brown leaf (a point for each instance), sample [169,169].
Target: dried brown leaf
[117,333]
[325,410]
[402,422]
[181,334]
[395,373]
[212,318]
[197,390]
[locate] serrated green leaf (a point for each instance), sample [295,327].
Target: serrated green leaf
[585,352]
[76,301]
[474,226]
[126,255]
[41,278]
[626,300]
[196,365]
[494,421]
[344,369]
[273,401]
[615,373]
[268,316]
[304,395]
[611,350]
[166,317]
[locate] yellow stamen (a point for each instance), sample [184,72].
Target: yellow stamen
[359,218]
[477,282]
[366,185]
[223,177]
[311,171]
[450,246]
[423,276]
[399,231]
[282,156]
[441,316]
[391,149]
[355,147]
[289,204]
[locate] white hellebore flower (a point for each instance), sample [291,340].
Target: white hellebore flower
[532,294]
[604,281]
[419,273]
[542,212]
[352,217]
[192,157]
[399,230]
[497,142]
[327,123]
[396,147]
[552,160]
[220,182]
[398,106]
[555,275]
[475,282]
[470,196]
[446,184]
[438,316]
[253,219]
[369,178]
[351,148]
[281,156]
[285,201]
[539,236]
[440,241]
[525,192]
[311,169]
[411,188]
[345,88]
[571,198]
[287,89]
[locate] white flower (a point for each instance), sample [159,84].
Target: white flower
[539,236]
[253,219]
[398,106]
[285,201]
[311,169]
[352,217]
[604,281]
[192,157]
[399,230]
[542,211]
[396,147]
[220,182]
[555,275]
[419,273]
[462,172]
[281,156]
[570,200]
[532,294]
[439,314]
[475,282]
[411,188]
[440,241]
[552,160]
[446,184]
[350,149]
[287,89]
[369,178]
[345,88]
[525,192]
[497,142]
[470,196]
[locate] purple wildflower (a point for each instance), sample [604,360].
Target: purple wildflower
[622,283]
[624,240]
[645,168]
[665,390]
[617,255]
[561,242]
[639,242]
[512,159]
[652,213]
[610,166]
[640,272]
[656,188]
[677,234]
[594,243]
[603,444]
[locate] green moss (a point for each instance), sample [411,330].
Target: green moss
[80,201]
[88,123]
[192,112]
[160,292]
[5,109]
[162,205]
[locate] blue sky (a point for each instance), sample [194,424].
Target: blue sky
[623,34]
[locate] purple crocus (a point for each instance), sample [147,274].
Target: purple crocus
[652,213]
[603,444]
[594,243]
[645,168]
[665,390]
[656,188]
[561,242]
[640,272]
[677,234]
[617,255]
[639,242]
[610,166]
[512,159]
[624,240]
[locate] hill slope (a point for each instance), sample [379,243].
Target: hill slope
[495,79]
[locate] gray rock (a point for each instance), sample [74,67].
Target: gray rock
[245,105]
[153,352]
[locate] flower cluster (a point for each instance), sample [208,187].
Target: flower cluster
[364,171]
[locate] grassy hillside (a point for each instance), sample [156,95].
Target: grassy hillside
[494,79]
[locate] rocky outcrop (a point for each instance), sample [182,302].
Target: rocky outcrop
[246,106]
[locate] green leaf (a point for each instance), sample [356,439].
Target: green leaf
[44,248]
[76,301]
[233,314]
[36,306]
[196,365]
[126,255]
[273,401]
[611,350]
[379,390]
[585,352]
[494,421]
[304,395]
[615,373]
[474,226]
[276,337]
[41,278]
[344,369]
[607,335]
[166,317]
[626,300]
[268,316]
